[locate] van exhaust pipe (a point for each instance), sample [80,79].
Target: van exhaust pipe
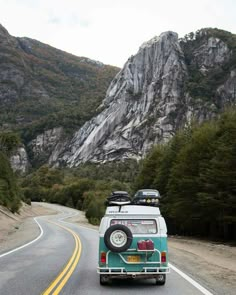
[133,276]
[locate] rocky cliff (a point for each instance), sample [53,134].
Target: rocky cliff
[160,89]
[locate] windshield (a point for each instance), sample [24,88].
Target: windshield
[138,226]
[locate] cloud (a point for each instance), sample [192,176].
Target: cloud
[110,31]
[68,20]
[54,20]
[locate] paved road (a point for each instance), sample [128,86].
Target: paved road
[68,253]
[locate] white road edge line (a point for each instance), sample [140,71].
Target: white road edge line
[27,244]
[190,280]
[36,239]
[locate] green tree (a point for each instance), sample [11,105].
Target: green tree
[217,193]
[37,186]
[9,141]
[9,193]
[184,185]
[94,205]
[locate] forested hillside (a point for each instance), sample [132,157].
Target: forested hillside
[196,175]
[204,79]
[42,87]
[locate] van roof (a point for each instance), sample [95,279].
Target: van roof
[132,210]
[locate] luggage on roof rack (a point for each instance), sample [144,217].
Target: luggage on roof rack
[147,197]
[118,198]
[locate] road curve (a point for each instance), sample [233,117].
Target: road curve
[64,261]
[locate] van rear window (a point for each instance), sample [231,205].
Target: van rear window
[138,226]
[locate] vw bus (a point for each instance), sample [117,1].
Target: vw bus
[132,243]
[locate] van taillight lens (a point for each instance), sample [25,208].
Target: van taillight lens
[103,257]
[163,257]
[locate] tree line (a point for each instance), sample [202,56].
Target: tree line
[195,173]
[85,188]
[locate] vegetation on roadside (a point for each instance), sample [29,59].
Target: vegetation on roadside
[196,175]
[9,190]
[85,188]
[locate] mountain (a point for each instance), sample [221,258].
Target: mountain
[59,105]
[43,88]
[162,88]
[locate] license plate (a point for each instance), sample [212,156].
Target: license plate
[133,258]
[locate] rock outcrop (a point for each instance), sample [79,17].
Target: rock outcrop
[44,144]
[137,105]
[147,102]
[19,161]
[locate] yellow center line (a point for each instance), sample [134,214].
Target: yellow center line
[68,275]
[75,257]
[60,276]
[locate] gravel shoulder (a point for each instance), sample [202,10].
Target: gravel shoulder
[211,264]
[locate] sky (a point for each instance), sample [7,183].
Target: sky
[111,31]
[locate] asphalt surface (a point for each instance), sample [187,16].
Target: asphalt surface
[32,270]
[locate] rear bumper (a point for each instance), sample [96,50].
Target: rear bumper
[147,272]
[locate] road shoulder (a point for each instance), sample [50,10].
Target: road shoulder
[211,264]
[19,229]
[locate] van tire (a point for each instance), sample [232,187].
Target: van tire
[162,282]
[127,234]
[104,280]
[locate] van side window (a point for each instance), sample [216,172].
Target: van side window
[138,226]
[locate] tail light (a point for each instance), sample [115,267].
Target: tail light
[103,257]
[163,257]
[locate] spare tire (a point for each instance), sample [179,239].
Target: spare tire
[118,238]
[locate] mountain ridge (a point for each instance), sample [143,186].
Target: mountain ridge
[153,97]
[43,88]
[32,71]
[161,89]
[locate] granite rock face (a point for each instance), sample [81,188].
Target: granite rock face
[19,161]
[39,149]
[146,103]
[44,144]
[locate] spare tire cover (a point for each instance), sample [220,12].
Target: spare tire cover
[118,238]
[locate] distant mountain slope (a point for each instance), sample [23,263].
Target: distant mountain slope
[56,99]
[168,83]
[42,87]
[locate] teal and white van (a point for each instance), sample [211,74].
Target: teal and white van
[133,244]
